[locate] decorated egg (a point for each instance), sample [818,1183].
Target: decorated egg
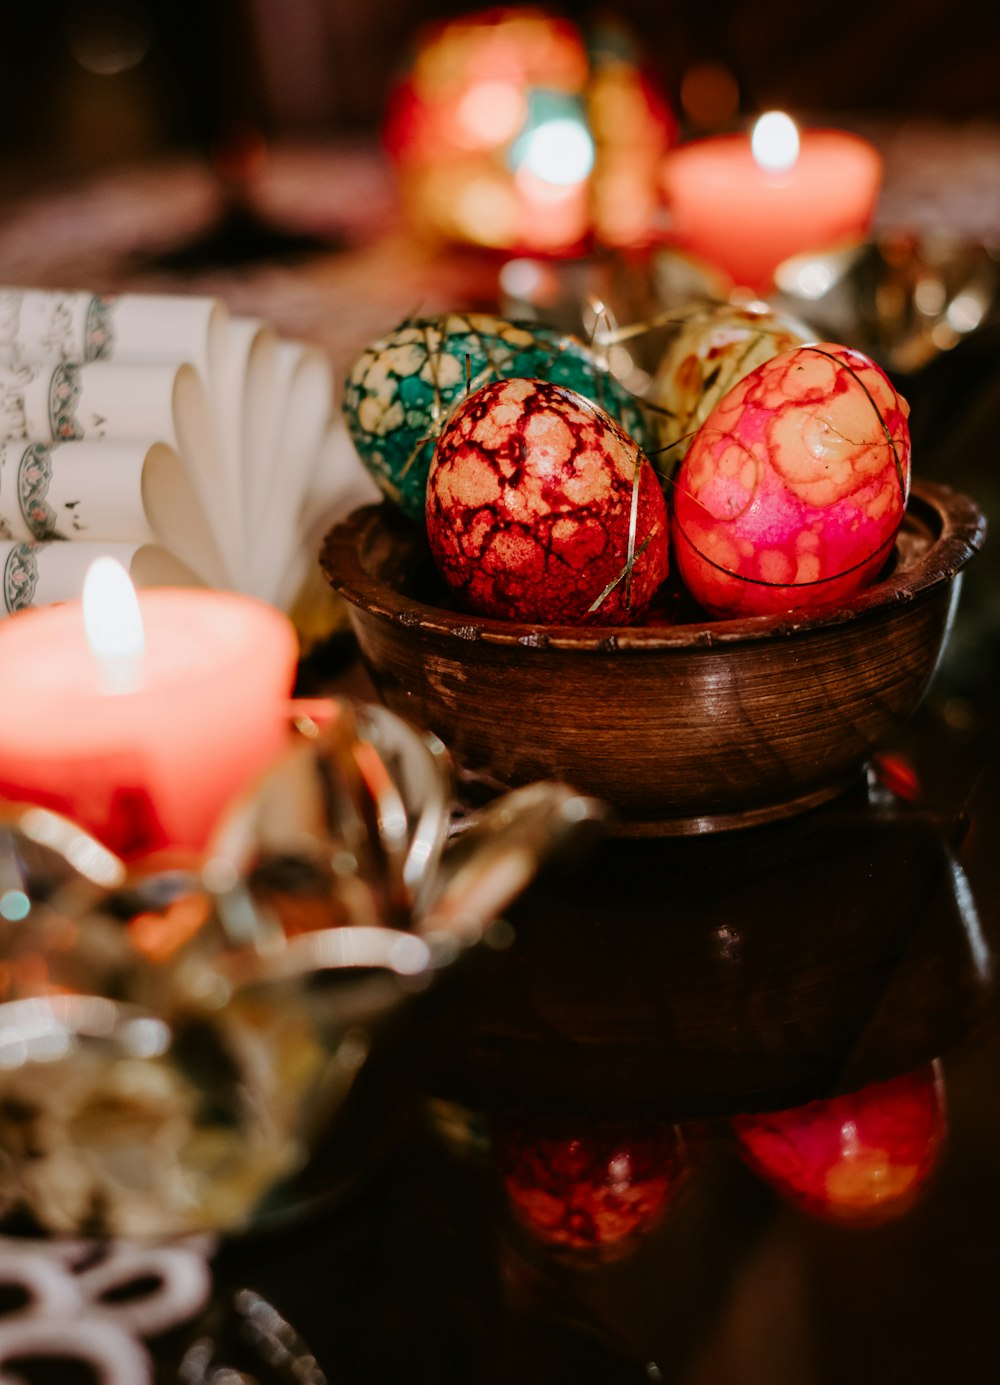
[863,1157]
[540,508]
[597,1189]
[795,485]
[717,345]
[403,386]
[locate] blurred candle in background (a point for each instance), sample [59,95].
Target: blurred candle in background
[747,203]
[516,130]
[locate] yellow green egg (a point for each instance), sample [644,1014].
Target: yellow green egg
[715,347]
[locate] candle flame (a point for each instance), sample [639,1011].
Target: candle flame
[113,624]
[775,142]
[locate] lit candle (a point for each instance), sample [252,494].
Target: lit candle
[143,741]
[745,205]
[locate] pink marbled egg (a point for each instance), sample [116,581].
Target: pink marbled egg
[864,1157]
[795,485]
[530,509]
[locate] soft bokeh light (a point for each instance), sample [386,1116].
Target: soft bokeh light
[558,151]
[489,114]
[811,279]
[966,311]
[14,905]
[710,95]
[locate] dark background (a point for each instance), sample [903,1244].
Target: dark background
[93,83]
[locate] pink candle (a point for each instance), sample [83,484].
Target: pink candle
[744,217]
[151,766]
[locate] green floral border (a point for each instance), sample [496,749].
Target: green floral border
[99,329]
[20,577]
[34,476]
[64,397]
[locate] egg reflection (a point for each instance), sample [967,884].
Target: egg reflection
[863,1157]
[593,1189]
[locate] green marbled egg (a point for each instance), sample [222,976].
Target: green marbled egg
[402,388]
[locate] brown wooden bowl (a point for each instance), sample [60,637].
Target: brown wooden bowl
[682,728]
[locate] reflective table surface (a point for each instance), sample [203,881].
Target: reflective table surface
[574,1195]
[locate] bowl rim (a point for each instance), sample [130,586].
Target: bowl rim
[955,519]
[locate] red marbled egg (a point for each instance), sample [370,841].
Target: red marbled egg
[795,485]
[530,508]
[596,1189]
[863,1157]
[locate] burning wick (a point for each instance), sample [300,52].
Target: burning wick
[113,624]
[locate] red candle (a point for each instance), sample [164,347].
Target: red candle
[745,206]
[145,747]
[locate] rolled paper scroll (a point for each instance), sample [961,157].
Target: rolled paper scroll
[165,420]
[38,574]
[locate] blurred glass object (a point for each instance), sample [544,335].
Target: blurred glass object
[194,1050]
[903,298]
[515,129]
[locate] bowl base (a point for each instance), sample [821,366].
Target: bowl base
[732,822]
[475,791]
